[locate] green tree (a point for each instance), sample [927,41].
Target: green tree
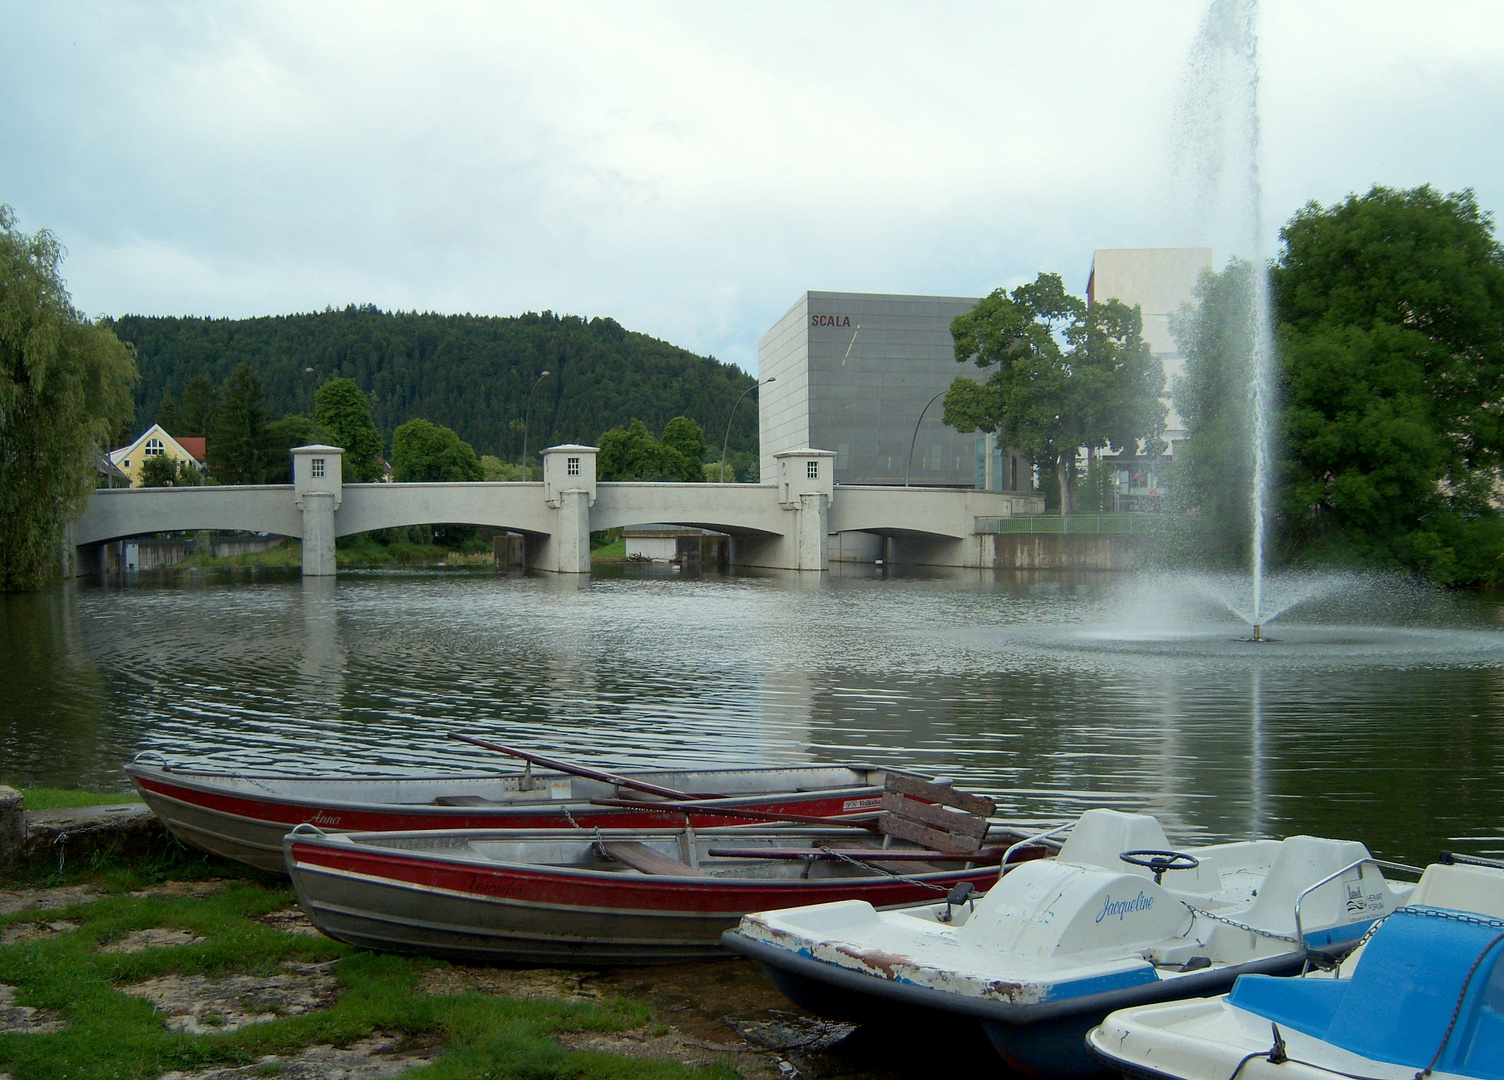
[1066,376]
[684,450]
[1391,320]
[1214,462]
[237,449]
[344,419]
[64,395]
[162,470]
[494,469]
[424,451]
[281,436]
[197,408]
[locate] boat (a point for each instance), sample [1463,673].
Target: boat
[1424,996]
[243,815]
[604,895]
[1116,918]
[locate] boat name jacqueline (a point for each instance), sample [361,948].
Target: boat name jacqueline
[1123,907]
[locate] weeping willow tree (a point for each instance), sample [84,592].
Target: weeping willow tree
[65,391]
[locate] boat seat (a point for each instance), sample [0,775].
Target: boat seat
[1101,835]
[934,815]
[463,800]
[643,858]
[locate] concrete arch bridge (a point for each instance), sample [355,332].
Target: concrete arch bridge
[788,524]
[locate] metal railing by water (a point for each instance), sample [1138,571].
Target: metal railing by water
[1119,524]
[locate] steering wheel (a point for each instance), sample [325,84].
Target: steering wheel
[1161,861]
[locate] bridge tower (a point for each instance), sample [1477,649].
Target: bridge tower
[318,486]
[569,488]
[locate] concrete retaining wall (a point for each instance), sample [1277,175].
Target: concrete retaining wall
[1051,551]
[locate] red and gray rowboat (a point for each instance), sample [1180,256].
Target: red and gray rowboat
[600,896]
[244,816]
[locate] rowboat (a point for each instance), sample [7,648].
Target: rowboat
[1424,996]
[598,896]
[244,815]
[1115,919]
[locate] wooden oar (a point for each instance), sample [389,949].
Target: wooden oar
[708,807]
[578,770]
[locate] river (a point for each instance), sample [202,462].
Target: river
[1376,714]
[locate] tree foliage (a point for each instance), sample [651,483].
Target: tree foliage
[237,448]
[344,419]
[1391,321]
[470,373]
[425,452]
[163,470]
[281,436]
[65,393]
[1066,375]
[633,452]
[1214,463]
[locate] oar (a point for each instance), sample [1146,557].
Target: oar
[708,807]
[578,770]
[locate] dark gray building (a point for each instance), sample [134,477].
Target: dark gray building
[853,373]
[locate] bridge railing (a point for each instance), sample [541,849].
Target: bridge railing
[1119,524]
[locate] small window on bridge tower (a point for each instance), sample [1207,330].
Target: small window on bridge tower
[318,468]
[812,470]
[574,466]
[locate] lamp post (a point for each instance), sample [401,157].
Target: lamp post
[910,463]
[313,398]
[527,419]
[727,440]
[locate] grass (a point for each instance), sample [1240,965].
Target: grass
[110,1034]
[613,552]
[59,799]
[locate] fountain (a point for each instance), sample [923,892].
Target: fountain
[1215,165]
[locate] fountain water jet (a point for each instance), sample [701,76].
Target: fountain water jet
[1216,162]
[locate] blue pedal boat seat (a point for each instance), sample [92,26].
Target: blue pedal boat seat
[1430,979]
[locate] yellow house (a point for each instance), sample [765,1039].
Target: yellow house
[152,443]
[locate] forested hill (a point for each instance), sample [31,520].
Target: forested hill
[468,372]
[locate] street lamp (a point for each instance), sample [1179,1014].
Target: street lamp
[527,419]
[910,463]
[727,440]
[314,398]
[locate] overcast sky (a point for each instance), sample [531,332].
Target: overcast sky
[688,169]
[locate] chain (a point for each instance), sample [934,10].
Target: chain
[899,877]
[1243,926]
[1450,916]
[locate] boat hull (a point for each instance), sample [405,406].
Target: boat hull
[233,817]
[413,901]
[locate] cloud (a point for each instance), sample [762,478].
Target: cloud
[688,169]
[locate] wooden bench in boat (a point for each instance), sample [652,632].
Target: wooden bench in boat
[934,816]
[643,858]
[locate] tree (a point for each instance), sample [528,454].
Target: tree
[197,408]
[344,419]
[281,436]
[633,452]
[1067,375]
[1214,462]
[163,470]
[1390,313]
[494,469]
[237,450]
[424,451]
[65,393]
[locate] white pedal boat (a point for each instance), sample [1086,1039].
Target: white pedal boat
[1425,993]
[1058,943]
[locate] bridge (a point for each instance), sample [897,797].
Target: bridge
[783,525]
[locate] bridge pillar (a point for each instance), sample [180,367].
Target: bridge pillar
[318,489]
[806,485]
[569,487]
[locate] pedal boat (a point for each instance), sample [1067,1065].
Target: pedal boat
[1424,996]
[1057,944]
[243,815]
[600,896]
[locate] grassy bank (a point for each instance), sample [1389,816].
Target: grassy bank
[360,553]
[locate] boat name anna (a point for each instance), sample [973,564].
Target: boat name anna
[1123,907]
[323,817]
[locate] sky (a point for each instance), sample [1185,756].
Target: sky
[688,169]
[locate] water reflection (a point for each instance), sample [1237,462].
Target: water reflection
[1054,693]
